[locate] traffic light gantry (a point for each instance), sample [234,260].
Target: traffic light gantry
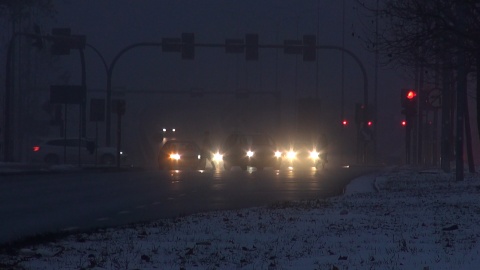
[248,45]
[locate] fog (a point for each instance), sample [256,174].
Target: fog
[156,85]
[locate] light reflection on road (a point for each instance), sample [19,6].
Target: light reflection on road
[219,174]
[255,186]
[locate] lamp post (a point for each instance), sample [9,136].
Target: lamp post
[110,68]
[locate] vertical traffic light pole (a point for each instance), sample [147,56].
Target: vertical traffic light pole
[341,49]
[108,106]
[408,139]
[362,68]
[83,104]
[409,102]
[9,115]
[120,110]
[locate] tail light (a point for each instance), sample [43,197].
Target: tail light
[36,148]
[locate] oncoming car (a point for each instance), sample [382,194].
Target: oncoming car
[255,150]
[180,154]
[302,157]
[73,151]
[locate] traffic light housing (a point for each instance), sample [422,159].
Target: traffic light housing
[60,44]
[309,48]
[118,106]
[251,47]
[64,41]
[364,114]
[188,46]
[409,100]
[37,39]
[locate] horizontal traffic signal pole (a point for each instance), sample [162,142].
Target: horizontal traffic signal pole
[108,103]
[317,47]
[175,45]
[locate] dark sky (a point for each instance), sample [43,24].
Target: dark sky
[111,25]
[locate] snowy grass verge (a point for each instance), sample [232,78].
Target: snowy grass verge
[416,220]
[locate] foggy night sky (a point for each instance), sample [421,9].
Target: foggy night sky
[111,25]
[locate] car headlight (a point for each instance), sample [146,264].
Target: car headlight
[278,154]
[250,153]
[175,156]
[291,154]
[314,154]
[217,157]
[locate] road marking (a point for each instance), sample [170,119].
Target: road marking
[124,212]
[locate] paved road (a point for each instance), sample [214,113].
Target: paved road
[41,203]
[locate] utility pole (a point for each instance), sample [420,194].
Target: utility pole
[375,89]
[461,97]
[446,138]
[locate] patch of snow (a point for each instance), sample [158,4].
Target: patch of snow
[402,219]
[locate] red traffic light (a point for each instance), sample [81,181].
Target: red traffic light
[404,123]
[344,122]
[411,94]
[409,101]
[369,123]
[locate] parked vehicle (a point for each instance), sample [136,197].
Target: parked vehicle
[181,154]
[73,151]
[255,150]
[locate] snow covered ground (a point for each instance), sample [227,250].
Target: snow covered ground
[400,219]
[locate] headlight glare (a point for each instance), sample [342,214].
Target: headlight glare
[291,154]
[314,154]
[217,157]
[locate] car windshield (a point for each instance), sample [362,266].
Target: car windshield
[260,140]
[180,147]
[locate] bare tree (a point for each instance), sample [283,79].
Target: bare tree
[20,16]
[429,33]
